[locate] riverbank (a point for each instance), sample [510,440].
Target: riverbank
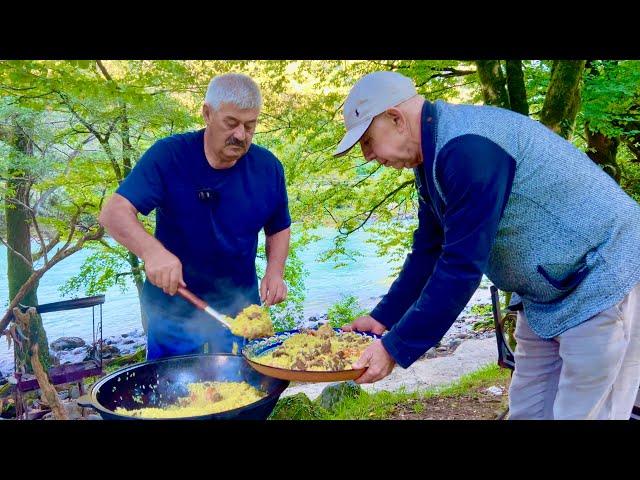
[461,352]
[479,395]
[464,384]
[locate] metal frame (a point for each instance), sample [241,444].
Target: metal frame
[506,359]
[69,373]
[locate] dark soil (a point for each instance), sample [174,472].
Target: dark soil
[476,404]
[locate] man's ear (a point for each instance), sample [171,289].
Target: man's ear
[206,113]
[397,117]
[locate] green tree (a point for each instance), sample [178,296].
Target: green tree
[562,101]
[41,208]
[610,115]
[493,83]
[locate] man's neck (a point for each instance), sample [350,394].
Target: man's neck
[414,113]
[427,122]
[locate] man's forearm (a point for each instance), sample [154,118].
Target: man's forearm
[277,250]
[119,219]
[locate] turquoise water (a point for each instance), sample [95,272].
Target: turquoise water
[367,279]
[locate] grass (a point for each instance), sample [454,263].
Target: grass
[485,312]
[480,378]
[137,357]
[379,405]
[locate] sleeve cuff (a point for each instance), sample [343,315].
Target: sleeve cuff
[384,316]
[273,229]
[403,354]
[134,200]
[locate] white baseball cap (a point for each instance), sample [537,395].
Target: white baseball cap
[370,96]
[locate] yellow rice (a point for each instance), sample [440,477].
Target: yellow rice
[321,350]
[200,402]
[252,322]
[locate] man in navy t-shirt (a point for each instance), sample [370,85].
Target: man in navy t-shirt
[213,191]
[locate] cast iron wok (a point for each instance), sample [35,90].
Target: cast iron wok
[160,383]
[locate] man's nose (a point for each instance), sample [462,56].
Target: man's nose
[240,133]
[369,156]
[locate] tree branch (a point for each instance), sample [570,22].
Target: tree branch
[47,193]
[42,242]
[20,203]
[330,214]
[48,390]
[367,177]
[72,227]
[375,207]
[47,248]
[450,87]
[16,253]
[17,89]
[86,124]
[60,255]
[104,70]
[447,73]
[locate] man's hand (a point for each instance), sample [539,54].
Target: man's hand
[365,324]
[272,289]
[164,270]
[379,361]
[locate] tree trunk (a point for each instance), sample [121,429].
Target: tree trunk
[516,88]
[492,82]
[37,274]
[19,239]
[134,261]
[562,100]
[603,150]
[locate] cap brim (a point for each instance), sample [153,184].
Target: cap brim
[351,138]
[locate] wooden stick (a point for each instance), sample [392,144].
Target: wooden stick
[50,394]
[48,391]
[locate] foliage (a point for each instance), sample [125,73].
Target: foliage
[486,317]
[297,407]
[344,311]
[483,310]
[611,97]
[99,272]
[91,120]
[286,315]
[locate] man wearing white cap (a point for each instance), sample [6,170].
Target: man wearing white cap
[502,195]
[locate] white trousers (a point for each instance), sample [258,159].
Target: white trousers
[591,371]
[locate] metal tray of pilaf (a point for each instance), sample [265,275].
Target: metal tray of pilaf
[312,362]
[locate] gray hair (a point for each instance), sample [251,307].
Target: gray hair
[235,88]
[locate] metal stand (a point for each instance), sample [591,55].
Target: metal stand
[69,373]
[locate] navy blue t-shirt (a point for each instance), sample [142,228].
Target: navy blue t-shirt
[215,238]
